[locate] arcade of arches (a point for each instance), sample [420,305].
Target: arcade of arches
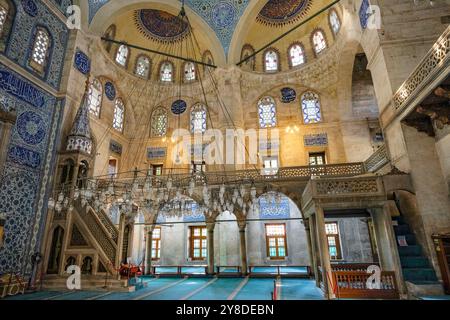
[344,161]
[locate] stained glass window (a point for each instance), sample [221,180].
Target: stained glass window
[247,51]
[335,23]
[271,61]
[189,71]
[119,112]
[159,122]
[122,55]
[267,112]
[166,72]
[334,247]
[41,47]
[319,41]
[311,108]
[198,118]
[95,97]
[297,55]
[3,16]
[276,241]
[143,67]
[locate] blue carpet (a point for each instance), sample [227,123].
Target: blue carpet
[176,288]
[293,289]
[256,289]
[435,297]
[219,290]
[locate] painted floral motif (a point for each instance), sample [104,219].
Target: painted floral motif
[31,127]
[281,12]
[161,26]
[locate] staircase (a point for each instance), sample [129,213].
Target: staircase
[418,273]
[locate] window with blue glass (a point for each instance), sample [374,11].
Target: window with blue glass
[311,107]
[334,247]
[267,112]
[335,22]
[198,118]
[276,241]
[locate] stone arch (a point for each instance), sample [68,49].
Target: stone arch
[242,29]
[112,9]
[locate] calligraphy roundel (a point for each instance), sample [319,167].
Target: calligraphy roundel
[288,95]
[30,7]
[179,106]
[110,91]
[31,127]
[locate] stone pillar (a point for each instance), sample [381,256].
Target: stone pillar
[387,245]
[314,256]
[148,251]
[309,243]
[210,239]
[243,247]
[323,251]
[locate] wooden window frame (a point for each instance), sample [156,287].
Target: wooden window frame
[337,240]
[201,238]
[316,154]
[157,247]
[155,167]
[277,257]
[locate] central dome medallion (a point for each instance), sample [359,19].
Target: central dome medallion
[281,12]
[161,26]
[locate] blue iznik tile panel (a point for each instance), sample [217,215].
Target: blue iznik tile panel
[30,160]
[29,15]
[274,210]
[221,15]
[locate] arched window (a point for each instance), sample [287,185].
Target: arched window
[119,115]
[207,58]
[271,60]
[296,55]
[95,97]
[122,55]
[110,33]
[166,72]
[41,48]
[189,71]
[247,51]
[3,16]
[335,22]
[198,118]
[318,40]
[142,66]
[267,112]
[7,13]
[159,122]
[311,108]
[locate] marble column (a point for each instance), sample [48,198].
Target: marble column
[210,239]
[324,251]
[119,257]
[308,240]
[243,247]
[148,251]
[314,256]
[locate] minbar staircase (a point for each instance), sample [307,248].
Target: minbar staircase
[102,236]
[418,273]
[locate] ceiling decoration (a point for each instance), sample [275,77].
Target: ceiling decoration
[160,26]
[221,15]
[281,12]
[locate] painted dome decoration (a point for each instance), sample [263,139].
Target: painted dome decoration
[161,26]
[281,12]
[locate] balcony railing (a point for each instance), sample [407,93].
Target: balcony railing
[377,160]
[437,58]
